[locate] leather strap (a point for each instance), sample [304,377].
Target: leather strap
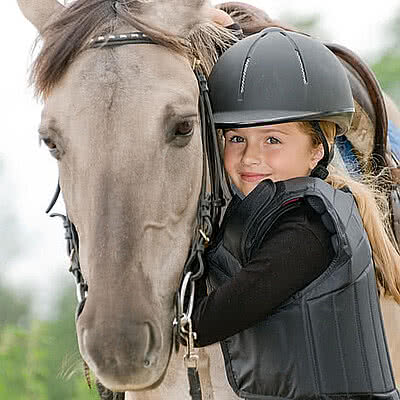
[194,382]
[367,93]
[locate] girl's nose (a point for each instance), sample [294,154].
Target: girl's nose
[251,155]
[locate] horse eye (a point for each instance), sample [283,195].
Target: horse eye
[49,143]
[53,149]
[184,128]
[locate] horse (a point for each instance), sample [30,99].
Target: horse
[124,125]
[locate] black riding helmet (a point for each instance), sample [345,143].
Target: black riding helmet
[277,76]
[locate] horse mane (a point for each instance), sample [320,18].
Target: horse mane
[70,32]
[251,19]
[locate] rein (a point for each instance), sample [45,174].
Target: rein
[208,216]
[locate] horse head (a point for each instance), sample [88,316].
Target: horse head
[123,124]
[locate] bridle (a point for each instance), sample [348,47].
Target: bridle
[209,210]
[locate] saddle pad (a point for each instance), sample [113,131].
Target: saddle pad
[394,138]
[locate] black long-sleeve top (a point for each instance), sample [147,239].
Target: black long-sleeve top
[295,252]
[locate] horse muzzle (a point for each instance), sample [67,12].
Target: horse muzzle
[124,355]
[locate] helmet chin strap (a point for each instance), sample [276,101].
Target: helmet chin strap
[321,170]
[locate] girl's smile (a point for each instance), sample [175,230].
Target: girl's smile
[252,177]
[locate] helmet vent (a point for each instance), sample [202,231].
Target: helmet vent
[244,75]
[299,57]
[303,69]
[246,65]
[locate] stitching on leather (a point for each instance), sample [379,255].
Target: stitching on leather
[360,338]
[375,335]
[339,342]
[230,371]
[314,360]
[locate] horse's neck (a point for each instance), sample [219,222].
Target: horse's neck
[391,319]
[175,385]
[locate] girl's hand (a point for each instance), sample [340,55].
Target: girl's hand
[220,17]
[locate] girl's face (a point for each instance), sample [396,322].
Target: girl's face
[277,152]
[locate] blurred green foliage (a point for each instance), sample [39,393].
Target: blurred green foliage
[387,70]
[387,67]
[41,361]
[14,309]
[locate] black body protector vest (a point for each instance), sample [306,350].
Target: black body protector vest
[327,341]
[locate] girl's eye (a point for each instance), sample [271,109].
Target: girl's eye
[272,140]
[236,139]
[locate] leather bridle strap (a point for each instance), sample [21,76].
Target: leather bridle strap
[121,39]
[208,217]
[210,204]
[72,238]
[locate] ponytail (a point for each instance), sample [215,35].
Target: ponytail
[375,213]
[373,206]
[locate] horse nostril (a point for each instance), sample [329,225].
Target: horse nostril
[153,345]
[147,363]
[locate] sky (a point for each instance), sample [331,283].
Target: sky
[31,174]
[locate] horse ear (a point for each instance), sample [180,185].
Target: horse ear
[39,12]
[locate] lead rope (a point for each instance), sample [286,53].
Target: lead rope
[208,217]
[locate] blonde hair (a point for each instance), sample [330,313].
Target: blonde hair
[372,203]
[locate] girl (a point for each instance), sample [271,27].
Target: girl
[292,294]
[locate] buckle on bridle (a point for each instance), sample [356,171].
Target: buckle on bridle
[205,237]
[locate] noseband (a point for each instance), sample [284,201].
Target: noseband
[208,216]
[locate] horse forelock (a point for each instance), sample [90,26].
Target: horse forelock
[70,32]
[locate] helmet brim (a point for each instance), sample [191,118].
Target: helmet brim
[237,119]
